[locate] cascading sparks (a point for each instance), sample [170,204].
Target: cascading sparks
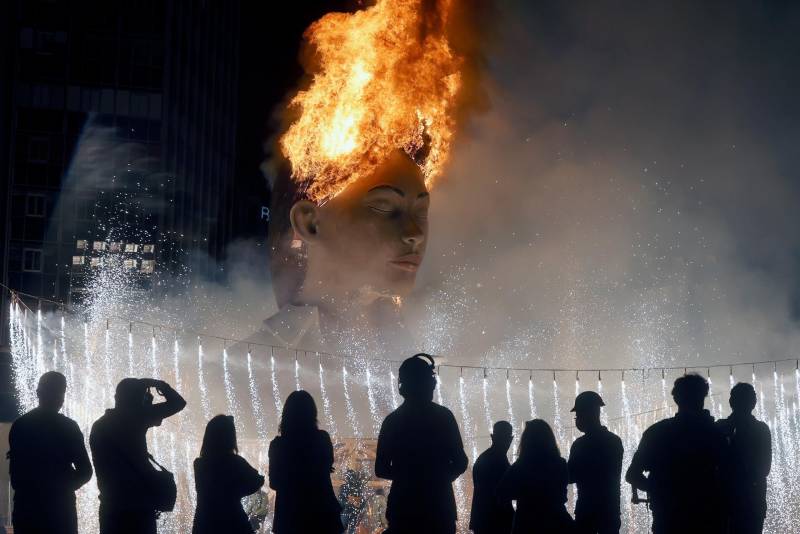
[383,78]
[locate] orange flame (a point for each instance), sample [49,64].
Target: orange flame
[385,78]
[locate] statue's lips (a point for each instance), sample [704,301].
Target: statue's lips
[409,263]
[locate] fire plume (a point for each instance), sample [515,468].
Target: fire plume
[383,78]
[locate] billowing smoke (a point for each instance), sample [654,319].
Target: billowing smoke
[628,198]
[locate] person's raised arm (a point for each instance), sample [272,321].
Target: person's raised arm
[173,402]
[82,470]
[383,454]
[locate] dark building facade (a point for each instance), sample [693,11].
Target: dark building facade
[105,101]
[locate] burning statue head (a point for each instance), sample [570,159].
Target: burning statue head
[363,244]
[364,143]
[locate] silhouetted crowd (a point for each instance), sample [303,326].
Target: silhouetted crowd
[700,475]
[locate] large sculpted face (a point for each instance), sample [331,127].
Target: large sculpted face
[369,240]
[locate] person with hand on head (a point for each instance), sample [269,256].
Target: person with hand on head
[421,452]
[48,463]
[489,514]
[595,466]
[118,440]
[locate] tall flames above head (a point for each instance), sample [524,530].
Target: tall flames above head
[383,78]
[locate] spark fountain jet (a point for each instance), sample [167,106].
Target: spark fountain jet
[351,413]
[326,401]
[276,392]
[176,363]
[531,398]
[486,410]
[201,382]
[255,398]
[466,420]
[393,388]
[296,373]
[230,393]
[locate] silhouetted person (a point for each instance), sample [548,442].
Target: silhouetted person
[421,452]
[538,482]
[595,466]
[683,455]
[48,462]
[300,467]
[222,479]
[748,459]
[125,476]
[489,514]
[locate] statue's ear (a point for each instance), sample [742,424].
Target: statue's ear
[304,217]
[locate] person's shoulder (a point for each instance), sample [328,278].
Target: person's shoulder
[482,458]
[443,411]
[611,437]
[762,427]
[659,427]
[323,436]
[103,423]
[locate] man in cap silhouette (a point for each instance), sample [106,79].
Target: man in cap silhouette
[595,466]
[421,452]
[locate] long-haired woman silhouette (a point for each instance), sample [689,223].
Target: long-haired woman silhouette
[300,466]
[538,482]
[222,478]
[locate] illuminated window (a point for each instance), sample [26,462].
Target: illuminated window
[131,247]
[130,264]
[96,262]
[78,260]
[148,266]
[148,249]
[99,245]
[81,244]
[114,246]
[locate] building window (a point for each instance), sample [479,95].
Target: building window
[34,206]
[38,149]
[32,260]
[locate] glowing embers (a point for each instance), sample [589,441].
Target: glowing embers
[383,78]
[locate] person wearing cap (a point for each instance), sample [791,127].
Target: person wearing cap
[421,452]
[48,463]
[489,514]
[748,460]
[595,466]
[118,441]
[678,463]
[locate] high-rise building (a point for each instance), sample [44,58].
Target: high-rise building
[107,101]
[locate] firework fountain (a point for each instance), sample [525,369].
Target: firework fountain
[93,350]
